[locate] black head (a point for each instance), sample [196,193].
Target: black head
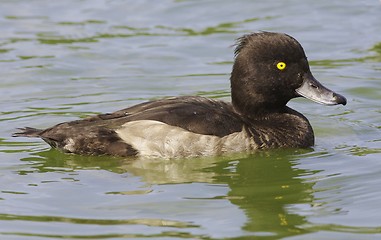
[269,70]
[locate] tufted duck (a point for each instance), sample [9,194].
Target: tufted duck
[269,70]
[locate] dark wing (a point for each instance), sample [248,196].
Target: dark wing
[196,114]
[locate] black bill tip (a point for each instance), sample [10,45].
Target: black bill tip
[340,99]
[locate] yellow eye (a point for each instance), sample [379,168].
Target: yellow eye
[281,65]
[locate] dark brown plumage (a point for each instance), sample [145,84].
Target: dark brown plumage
[257,117]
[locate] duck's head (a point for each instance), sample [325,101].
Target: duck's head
[269,70]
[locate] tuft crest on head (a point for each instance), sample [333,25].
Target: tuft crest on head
[268,42]
[242,41]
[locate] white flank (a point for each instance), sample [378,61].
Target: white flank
[159,140]
[69,145]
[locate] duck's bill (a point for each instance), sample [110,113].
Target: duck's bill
[315,91]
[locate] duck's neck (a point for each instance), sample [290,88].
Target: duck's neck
[252,106]
[249,97]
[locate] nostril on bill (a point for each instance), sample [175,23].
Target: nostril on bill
[313,86]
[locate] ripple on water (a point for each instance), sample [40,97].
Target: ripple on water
[101,56]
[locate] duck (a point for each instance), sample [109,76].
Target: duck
[269,70]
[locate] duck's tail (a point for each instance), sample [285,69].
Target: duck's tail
[28,132]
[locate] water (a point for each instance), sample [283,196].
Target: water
[65,60]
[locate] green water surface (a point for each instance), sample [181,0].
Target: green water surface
[64,60]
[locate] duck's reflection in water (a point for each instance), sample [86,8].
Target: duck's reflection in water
[265,186]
